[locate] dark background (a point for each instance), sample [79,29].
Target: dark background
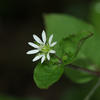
[19,19]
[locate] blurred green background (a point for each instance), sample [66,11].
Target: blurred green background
[19,19]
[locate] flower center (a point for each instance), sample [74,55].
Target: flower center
[45,48]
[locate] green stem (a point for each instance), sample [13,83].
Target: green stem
[93,90]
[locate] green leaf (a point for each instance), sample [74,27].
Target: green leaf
[80,76]
[71,46]
[70,33]
[47,74]
[77,76]
[95,14]
[91,49]
[63,26]
[92,46]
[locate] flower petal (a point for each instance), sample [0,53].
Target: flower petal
[52,51]
[33,51]
[48,56]
[33,45]
[43,58]
[37,58]
[44,36]
[53,44]
[50,39]
[37,39]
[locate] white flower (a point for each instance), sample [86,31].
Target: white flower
[43,47]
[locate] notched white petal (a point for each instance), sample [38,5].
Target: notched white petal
[44,36]
[50,39]
[53,44]
[33,45]
[43,58]
[37,39]
[42,45]
[48,56]
[32,51]
[52,51]
[37,58]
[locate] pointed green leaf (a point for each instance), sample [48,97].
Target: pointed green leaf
[64,26]
[70,33]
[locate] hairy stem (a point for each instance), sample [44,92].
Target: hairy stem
[96,73]
[60,60]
